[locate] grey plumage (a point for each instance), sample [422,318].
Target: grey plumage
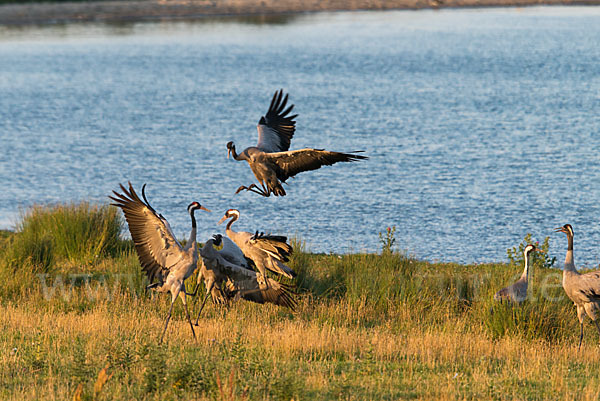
[166,263]
[266,251]
[213,276]
[517,292]
[226,281]
[582,289]
[271,161]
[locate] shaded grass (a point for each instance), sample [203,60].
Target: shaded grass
[366,327]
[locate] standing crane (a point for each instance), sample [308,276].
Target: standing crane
[226,280]
[166,263]
[582,289]
[517,292]
[271,161]
[266,251]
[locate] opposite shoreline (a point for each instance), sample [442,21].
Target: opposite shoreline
[158,10]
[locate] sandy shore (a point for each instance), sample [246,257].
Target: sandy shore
[139,10]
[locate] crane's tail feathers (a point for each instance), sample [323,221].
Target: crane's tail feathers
[275,245]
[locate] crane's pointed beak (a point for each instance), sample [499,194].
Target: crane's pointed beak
[540,250]
[559,230]
[205,209]
[228,153]
[222,219]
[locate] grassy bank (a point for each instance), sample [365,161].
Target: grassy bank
[366,327]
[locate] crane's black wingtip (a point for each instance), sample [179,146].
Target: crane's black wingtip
[353,156]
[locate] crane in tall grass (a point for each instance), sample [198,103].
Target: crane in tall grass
[165,261]
[582,289]
[517,292]
[271,161]
[227,281]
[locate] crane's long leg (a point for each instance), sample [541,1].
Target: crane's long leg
[187,313]
[597,326]
[580,337]
[193,294]
[265,190]
[167,322]
[208,290]
[253,188]
[198,278]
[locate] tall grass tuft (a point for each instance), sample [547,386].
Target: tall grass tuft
[540,320]
[29,250]
[75,233]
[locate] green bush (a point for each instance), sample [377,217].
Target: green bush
[538,260]
[388,240]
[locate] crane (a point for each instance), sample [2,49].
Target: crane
[266,251]
[271,161]
[582,289]
[232,281]
[517,292]
[165,261]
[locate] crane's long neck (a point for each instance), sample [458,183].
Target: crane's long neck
[192,240]
[569,260]
[237,156]
[525,274]
[233,220]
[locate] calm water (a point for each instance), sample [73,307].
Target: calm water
[481,125]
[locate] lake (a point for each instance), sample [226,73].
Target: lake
[481,125]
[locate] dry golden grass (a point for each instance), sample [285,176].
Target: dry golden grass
[366,327]
[308,357]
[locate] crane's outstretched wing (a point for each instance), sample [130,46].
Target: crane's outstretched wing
[296,161]
[156,246]
[276,293]
[276,128]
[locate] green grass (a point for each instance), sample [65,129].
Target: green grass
[75,234]
[367,327]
